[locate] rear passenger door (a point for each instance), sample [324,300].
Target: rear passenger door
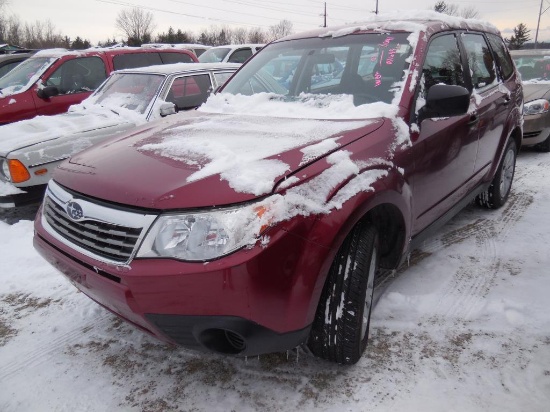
[492,96]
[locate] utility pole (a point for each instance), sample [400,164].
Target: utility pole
[376,11]
[541,12]
[325,15]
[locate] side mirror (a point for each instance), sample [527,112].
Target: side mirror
[445,101]
[167,109]
[47,92]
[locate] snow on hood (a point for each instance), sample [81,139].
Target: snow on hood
[307,106]
[238,148]
[44,128]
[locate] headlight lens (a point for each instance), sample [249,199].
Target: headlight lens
[536,107]
[202,236]
[5,170]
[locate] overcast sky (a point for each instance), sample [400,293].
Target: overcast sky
[95,19]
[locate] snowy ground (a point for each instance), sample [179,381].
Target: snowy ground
[465,328]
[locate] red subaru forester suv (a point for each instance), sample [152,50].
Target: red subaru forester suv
[261,221]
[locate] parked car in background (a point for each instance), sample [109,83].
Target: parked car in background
[31,149]
[197,49]
[263,220]
[52,80]
[9,61]
[230,53]
[534,66]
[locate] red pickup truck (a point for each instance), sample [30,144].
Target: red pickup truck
[52,80]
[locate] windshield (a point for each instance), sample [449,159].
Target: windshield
[368,67]
[213,55]
[24,75]
[533,67]
[130,91]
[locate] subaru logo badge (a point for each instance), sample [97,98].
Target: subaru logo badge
[74,210]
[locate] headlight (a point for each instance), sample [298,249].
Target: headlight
[5,170]
[204,235]
[536,107]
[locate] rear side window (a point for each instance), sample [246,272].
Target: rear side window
[78,75]
[190,91]
[480,60]
[443,63]
[168,58]
[240,56]
[502,56]
[130,61]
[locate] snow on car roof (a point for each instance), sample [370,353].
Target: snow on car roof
[412,20]
[181,67]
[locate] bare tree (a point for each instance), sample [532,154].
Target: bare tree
[257,35]
[136,24]
[468,12]
[240,35]
[281,29]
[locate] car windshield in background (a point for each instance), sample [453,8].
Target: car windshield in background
[370,67]
[533,67]
[214,55]
[131,91]
[25,74]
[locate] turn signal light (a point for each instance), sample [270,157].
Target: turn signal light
[18,171]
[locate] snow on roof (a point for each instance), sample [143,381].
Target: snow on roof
[410,20]
[181,67]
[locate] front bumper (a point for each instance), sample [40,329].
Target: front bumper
[536,129]
[254,301]
[32,195]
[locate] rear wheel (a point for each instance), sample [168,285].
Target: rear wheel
[498,192]
[341,326]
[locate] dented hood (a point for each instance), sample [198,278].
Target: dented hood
[206,160]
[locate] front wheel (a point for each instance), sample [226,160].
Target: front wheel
[500,187]
[544,146]
[341,326]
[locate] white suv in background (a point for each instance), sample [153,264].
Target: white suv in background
[238,53]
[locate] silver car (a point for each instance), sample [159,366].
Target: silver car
[31,149]
[534,67]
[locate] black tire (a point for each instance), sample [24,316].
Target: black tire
[341,326]
[500,187]
[544,146]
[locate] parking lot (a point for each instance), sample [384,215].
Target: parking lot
[464,327]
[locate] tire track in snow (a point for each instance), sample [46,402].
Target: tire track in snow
[44,349]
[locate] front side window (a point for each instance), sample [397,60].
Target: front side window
[443,64]
[24,75]
[368,67]
[480,61]
[189,91]
[240,56]
[170,58]
[84,74]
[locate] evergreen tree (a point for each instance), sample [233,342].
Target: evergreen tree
[519,38]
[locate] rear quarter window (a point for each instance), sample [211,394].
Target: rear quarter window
[502,56]
[130,61]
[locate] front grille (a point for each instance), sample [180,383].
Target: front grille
[531,134]
[113,242]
